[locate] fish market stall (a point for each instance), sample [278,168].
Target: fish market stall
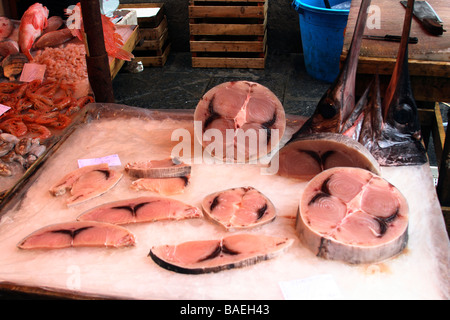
[134,203]
[135,134]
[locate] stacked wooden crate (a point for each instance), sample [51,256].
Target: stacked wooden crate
[228,33]
[154,46]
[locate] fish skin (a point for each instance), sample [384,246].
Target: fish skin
[33,22]
[68,234]
[53,38]
[53,24]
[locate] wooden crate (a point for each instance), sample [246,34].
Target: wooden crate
[228,33]
[146,20]
[154,46]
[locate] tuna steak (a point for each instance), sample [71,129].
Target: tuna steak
[239,208]
[240,250]
[86,183]
[143,209]
[249,110]
[311,154]
[165,168]
[78,234]
[352,215]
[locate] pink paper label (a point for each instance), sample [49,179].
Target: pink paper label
[3,109]
[32,71]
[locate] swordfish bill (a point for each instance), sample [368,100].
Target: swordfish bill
[338,102]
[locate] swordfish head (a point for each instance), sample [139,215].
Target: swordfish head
[338,102]
[399,105]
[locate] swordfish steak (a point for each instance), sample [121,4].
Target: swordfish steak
[143,209]
[78,234]
[165,168]
[311,154]
[239,208]
[350,214]
[86,183]
[248,110]
[206,256]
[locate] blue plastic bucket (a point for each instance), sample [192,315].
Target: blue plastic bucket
[322,31]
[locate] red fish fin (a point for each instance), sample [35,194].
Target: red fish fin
[122,54]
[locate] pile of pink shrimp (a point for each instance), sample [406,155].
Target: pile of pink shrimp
[64,63]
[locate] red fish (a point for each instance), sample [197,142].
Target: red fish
[113,40]
[34,20]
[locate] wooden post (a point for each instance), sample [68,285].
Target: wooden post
[96,57]
[443,187]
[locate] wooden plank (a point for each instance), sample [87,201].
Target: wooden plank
[155,61]
[227,12]
[211,62]
[373,65]
[227,46]
[213,45]
[227,29]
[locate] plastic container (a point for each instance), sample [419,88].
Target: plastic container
[322,32]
